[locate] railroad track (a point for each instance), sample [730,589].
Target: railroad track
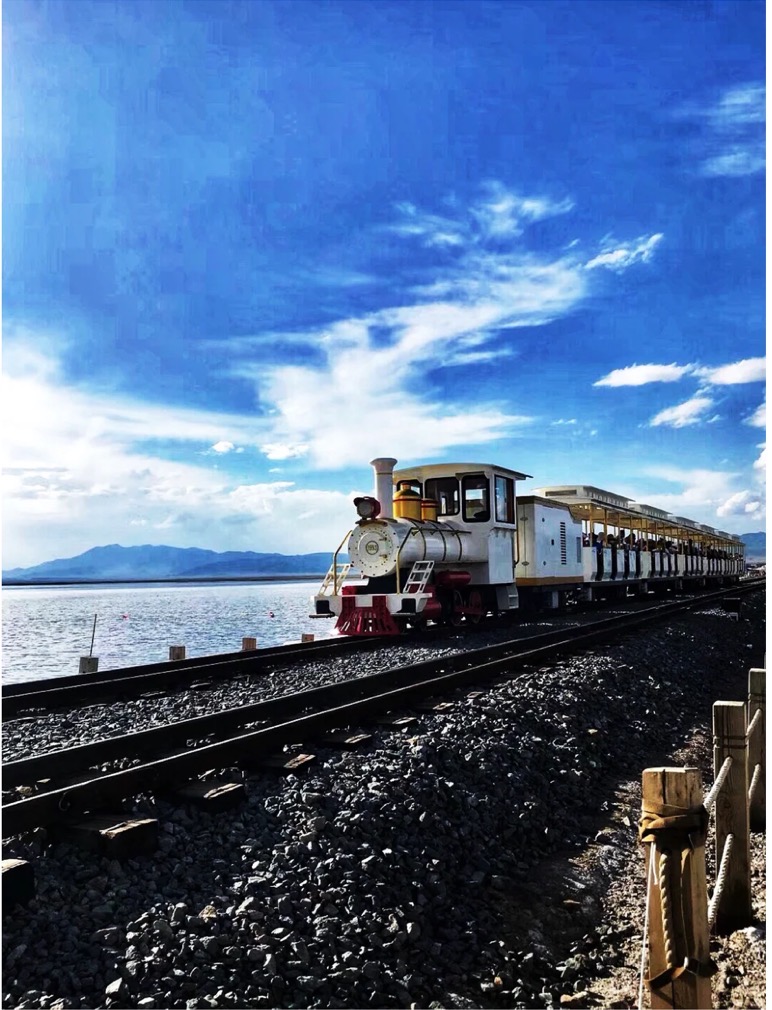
[135,681]
[156,678]
[64,783]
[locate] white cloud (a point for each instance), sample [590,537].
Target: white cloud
[683,414]
[500,213]
[77,473]
[618,257]
[747,370]
[707,496]
[739,105]
[505,213]
[732,142]
[364,392]
[737,161]
[279,450]
[758,419]
[641,375]
[223,447]
[749,502]
[363,389]
[742,503]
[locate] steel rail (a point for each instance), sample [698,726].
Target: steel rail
[424,680]
[54,692]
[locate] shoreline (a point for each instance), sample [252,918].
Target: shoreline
[171,580]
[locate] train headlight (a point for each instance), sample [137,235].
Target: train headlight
[367,507]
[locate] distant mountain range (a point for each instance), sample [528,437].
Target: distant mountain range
[755,546]
[116,564]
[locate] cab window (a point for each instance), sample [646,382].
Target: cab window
[444,490]
[505,499]
[475,490]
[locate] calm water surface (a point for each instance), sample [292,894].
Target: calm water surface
[46,630]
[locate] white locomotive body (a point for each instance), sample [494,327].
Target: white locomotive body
[451,543]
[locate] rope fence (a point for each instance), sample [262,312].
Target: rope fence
[674,825]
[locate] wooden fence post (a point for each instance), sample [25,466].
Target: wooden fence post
[757,747]
[677,894]
[729,740]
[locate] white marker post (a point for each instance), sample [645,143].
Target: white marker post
[90,663]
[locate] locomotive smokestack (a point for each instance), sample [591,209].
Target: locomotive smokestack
[384,491]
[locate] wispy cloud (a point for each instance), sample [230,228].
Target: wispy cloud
[739,106]
[618,256]
[732,143]
[369,374]
[695,410]
[758,418]
[683,414]
[642,375]
[747,370]
[500,213]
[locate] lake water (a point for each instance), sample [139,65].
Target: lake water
[47,629]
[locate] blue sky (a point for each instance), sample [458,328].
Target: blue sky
[249,246]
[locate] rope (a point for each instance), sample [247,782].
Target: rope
[710,799]
[753,723]
[754,783]
[666,908]
[650,879]
[720,881]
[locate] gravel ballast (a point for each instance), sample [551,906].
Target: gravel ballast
[463,861]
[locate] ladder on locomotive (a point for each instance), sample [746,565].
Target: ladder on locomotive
[419,576]
[335,577]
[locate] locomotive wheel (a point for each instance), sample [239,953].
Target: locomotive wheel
[475,604]
[457,614]
[452,609]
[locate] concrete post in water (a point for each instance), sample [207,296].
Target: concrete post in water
[176,652]
[248,644]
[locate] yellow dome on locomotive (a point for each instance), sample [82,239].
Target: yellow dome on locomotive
[407,503]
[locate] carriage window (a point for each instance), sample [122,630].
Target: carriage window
[444,490]
[477,506]
[505,499]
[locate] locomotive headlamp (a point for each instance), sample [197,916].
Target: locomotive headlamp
[367,507]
